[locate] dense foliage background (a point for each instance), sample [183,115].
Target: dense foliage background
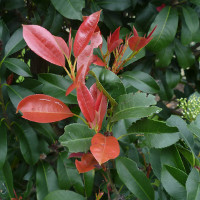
[32,161]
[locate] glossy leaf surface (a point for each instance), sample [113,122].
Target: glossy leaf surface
[3,144]
[104,148]
[134,179]
[85,32]
[43,43]
[43,109]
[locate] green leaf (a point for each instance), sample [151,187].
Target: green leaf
[185,134]
[56,86]
[15,43]
[135,106]
[29,143]
[197,2]
[191,18]
[77,137]
[4,33]
[3,144]
[46,180]
[172,78]
[167,23]
[148,126]
[63,195]
[71,9]
[18,67]
[44,129]
[173,180]
[186,35]
[194,127]
[89,182]
[135,180]
[189,156]
[116,5]
[170,156]
[109,83]
[161,140]
[193,185]
[184,55]
[68,175]
[164,56]
[6,182]
[17,93]
[14,4]
[142,81]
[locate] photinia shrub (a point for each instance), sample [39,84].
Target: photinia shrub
[104,112]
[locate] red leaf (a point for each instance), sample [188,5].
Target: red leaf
[86,102]
[63,46]
[98,61]
[113,40]
[86,164]
[9,80]
[104,148]
[85,33]
[43,109]
[136,43]
[76,155]
[43,43]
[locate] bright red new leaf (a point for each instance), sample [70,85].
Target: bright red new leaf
[85,33]
[104,148]
[63,46]
[113,40]
[86,164]
[43,43]
[86,102]
[136,43]
[43,109]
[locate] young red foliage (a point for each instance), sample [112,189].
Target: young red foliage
[86,102]
[9,80]
[86,164]
[100,107]
[43,43]
[85,33]
[63,46]
[43,109]
[136,42]
[98,61]
[159,8]
[104,148]
[113,40]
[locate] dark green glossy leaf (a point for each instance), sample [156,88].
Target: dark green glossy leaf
[63,195]
[197,2]
[184,55]
[3,144]
[29,143]
[193,185]
[18,67]
[142,81]
[185,134]
[68,175]
[164,56]
[116,5]
[191,18]
[89,182]
[135,180]
[56,86]
[14,4]
[71,9]
[77,137]
[4,33]
[17,93]
[186,35]
[46,180]
[161,140]
[172,78]
[194,127]
[15,43]
[173,181]
[167,23]
[170,156]
[135,106]
[6,182]
[44,129]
